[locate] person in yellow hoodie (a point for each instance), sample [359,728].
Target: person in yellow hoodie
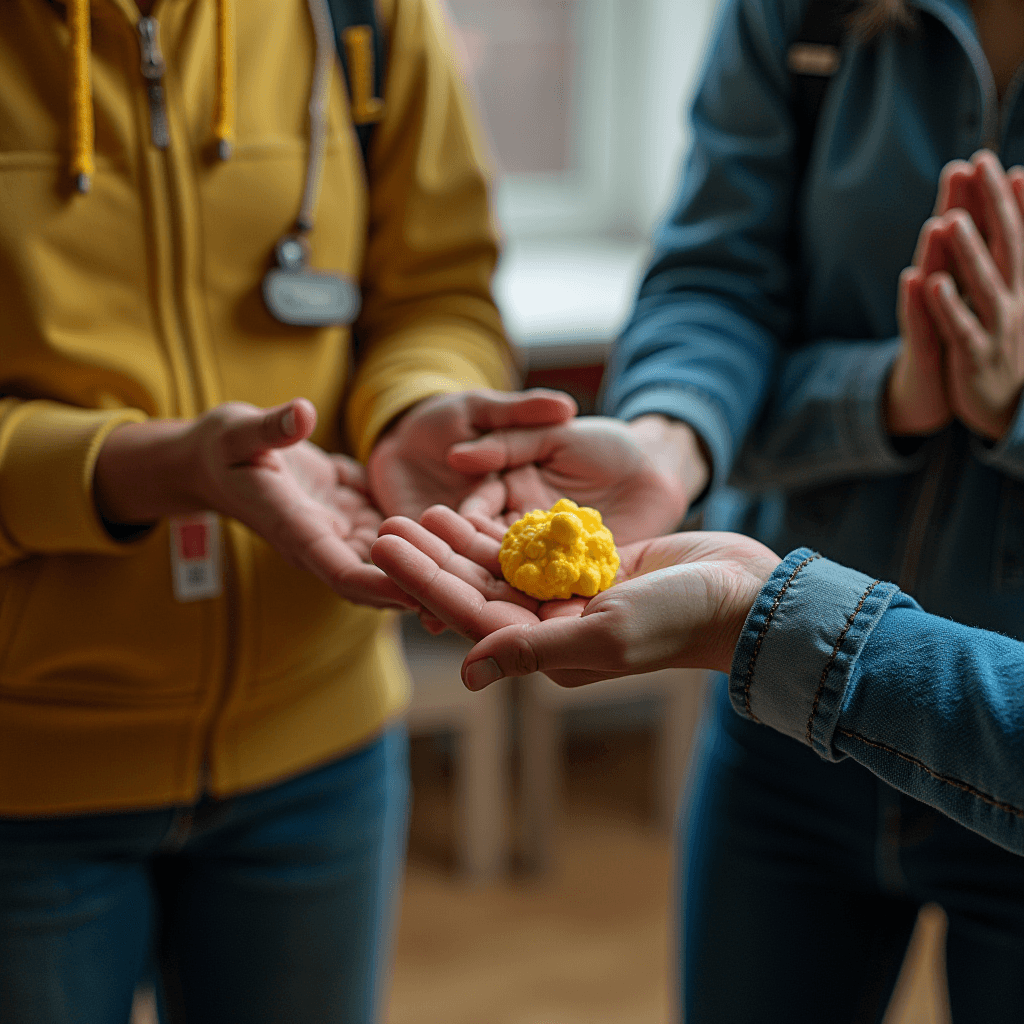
[198,686]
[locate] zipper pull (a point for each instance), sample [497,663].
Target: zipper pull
[153,68]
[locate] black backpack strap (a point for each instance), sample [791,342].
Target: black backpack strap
[813,59]
[363,54]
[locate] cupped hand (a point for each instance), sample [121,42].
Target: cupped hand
[681,602]
[640,476]
[408,469]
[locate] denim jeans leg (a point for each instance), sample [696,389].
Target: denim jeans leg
[76,916]
[783,919]
[279,908]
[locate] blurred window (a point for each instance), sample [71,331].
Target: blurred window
[520,55]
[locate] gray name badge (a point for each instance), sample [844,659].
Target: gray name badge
[311,298]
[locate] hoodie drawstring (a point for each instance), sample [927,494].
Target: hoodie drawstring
[224,108]
[82,163]
[82,127]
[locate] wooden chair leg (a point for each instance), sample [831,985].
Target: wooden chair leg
[483,786]
[541,748]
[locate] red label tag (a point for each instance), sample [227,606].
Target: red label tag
[192,539]
[195,556]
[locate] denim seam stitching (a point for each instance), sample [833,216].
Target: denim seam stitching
[764,633]
[832,659]
[966,787]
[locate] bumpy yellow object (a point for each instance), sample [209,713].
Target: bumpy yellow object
[559,553]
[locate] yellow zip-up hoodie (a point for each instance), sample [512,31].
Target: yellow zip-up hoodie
[142,299]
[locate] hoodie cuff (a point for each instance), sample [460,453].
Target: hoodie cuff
[48,456]
[800,644]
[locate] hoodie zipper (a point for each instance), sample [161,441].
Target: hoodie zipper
[153,68]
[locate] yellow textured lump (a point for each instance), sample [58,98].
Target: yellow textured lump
[559,553]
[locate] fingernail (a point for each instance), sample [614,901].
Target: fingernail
[482,673]
[288,423]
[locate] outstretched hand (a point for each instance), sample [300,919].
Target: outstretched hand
[640,476]
[681,601]
[257,466]
[408,469]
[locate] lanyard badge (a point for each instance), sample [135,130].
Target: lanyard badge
[195,556]
[293,293]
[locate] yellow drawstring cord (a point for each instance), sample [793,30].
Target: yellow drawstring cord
[82,142]
[81,128]
[224,109]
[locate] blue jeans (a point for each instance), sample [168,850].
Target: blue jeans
[273,907]
[802,881]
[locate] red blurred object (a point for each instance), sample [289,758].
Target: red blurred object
[583,382]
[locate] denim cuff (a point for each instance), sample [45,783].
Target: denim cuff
[800,644]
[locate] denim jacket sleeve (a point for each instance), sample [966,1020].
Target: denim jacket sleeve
[1007,455]
[703,344]
[853,667]
[702,341]
[824,420]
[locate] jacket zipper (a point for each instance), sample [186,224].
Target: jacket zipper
[153,68]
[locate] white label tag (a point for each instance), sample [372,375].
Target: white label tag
[195,556]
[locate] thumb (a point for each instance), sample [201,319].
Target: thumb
[259,430]
[538,407]
[486,500]
[519,650]
[503,450]
[918,327]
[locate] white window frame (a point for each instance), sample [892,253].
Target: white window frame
[635,63]
[576,243]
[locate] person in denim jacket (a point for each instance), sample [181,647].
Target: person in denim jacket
[767,335]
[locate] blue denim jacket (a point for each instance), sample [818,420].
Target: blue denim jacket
[853,667]
[780,360]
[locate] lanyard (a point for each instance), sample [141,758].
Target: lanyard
[293,292]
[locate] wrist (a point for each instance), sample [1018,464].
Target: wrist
[145,471]
[677,450]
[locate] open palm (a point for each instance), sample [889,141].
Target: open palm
[681,600]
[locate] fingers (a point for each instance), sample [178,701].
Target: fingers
[1015,176]
[953,189]
[498,410]
[932,254]
[463,558]
[487,499]
[348,576]
[351,473]
[1001,223]
[954,320]
[479,544]
[916,322]
[505,449]
[250,431]
[493,528]
[452,600]
[981,280]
